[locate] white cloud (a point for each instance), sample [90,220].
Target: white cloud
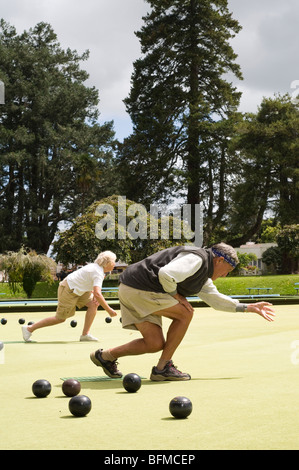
[105,28]
[267,46]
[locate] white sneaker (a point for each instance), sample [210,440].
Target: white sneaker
[26,334]
[88,338]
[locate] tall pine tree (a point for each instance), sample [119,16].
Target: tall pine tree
[48,127]
[179,92]
[267,144]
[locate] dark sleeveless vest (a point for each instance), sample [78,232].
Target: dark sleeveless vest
[144,274]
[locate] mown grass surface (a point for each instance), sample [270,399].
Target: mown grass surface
[244,387]
[283,285]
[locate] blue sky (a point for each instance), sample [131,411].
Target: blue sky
[267,46]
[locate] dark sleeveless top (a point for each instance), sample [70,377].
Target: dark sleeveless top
[144,274]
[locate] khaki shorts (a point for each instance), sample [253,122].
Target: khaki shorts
[68,301]
[138,306]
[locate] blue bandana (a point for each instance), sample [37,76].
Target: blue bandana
[227,258]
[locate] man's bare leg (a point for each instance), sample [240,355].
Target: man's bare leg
[152,337]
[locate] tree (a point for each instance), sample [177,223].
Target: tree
[119,225]
[80,244]
[269,231]
[48,122]
[178,94]
[245,262]
[288,243]
[284,257]
[267,146]
[25,268]
[272,258]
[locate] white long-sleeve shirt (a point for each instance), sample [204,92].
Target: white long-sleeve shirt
[185,265]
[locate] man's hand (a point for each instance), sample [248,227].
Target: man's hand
[182,300]
[263,309]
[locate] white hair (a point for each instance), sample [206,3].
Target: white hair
[105,258]
[228,253]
